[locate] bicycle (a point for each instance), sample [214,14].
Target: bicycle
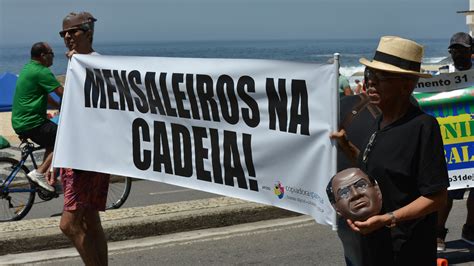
[17,191]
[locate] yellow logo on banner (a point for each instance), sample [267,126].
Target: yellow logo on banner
[457,129]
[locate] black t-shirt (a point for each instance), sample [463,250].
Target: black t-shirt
[407,160]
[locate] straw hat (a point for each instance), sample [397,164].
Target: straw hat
[397,55]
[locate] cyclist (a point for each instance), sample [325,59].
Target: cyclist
[29,118]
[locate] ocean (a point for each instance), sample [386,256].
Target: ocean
[12,58]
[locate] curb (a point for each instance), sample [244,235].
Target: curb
[138,222]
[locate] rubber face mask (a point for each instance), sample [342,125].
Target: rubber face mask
[357,197]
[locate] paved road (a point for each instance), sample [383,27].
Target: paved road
[300,242]
[297,241]
[291,241]
[143,193]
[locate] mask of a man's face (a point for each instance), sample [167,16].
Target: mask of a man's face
[357,198]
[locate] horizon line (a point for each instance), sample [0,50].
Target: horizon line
[12,45]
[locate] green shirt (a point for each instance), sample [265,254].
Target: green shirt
[31,96]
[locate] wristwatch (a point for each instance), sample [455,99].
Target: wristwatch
[393,220]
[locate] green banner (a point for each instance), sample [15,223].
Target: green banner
[454,112]
[426,99]
[450,103]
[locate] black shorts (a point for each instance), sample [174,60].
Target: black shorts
[44,135]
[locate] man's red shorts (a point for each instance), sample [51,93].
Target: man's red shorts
[84,190]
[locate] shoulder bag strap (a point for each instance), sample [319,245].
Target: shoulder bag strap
[364,101]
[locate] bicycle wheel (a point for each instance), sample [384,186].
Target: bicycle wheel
[119,189]
[17,199]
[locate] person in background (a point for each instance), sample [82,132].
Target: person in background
[344,87]
[85,192]
[359,87]
[29,117]
[460,48]
[405,155]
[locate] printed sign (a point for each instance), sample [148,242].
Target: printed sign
[446,81]
[453,109]
[458,140]
[251,129]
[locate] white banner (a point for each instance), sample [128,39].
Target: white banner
[446,82]
[251,129]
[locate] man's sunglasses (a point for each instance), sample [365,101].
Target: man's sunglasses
[459,50]
[375,75]
[71,32]
[369,147]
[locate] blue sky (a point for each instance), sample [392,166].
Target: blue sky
[28,21]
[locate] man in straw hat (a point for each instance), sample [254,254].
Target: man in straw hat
[85,192]
[405,155]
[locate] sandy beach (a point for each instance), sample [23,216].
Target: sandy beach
[6,129]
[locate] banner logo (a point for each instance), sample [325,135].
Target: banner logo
[279,190]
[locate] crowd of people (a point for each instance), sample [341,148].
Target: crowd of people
[388,148]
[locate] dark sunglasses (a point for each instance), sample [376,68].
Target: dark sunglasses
[368,148]
[459,50]
[51,53]
[71,32]
[381,75]
[360,185]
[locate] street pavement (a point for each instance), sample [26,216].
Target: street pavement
[143,193]
[130,223]
[284,241]
[164,219]
[289,241]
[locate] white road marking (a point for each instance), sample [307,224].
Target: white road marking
[169,192]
